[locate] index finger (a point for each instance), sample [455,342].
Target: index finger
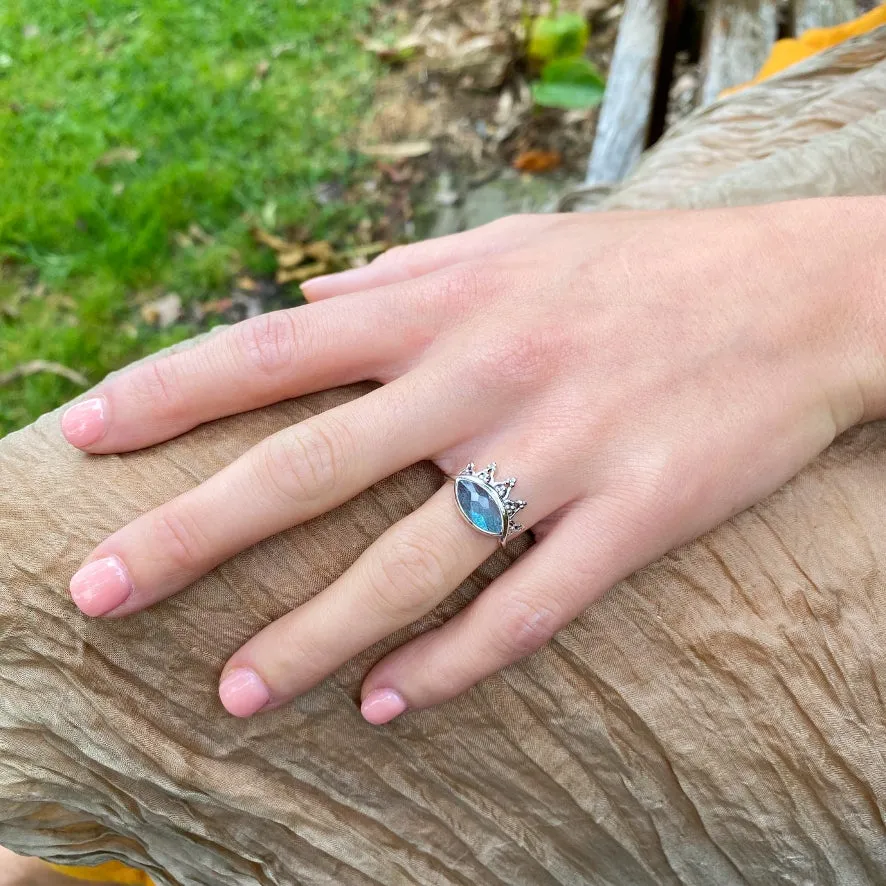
[254,363]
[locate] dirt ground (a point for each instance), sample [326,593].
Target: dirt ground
[465,87]
[454,110]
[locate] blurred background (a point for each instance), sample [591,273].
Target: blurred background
[166,167]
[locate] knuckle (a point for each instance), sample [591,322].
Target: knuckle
[509,223]
[157,385]
[524,626]
[179,540]
[393,255]
[307,463]
[413,261]
[415,562]
[659,479]
[520,358]
[409,574]
[447,296]
[268,342]
[664,487]
[460,286]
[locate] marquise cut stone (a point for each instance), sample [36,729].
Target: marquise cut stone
[479,505]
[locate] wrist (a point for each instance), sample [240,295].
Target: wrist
[836,245]
[859,231]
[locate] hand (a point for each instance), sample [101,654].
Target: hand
[643,375]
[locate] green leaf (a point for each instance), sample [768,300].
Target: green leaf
[559,37]
[571,83]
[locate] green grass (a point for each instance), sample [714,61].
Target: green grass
[218,145]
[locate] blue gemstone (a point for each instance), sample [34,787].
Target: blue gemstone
[478,505]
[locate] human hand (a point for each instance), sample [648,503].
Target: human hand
[644,376]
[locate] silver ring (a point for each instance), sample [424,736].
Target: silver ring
[486,503]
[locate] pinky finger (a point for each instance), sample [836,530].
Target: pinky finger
[517,614]
[404,263]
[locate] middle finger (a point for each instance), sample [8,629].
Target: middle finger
[403,575]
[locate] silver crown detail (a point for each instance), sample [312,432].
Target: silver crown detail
[502,490]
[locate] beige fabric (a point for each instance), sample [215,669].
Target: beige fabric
[716,719]
[815,130]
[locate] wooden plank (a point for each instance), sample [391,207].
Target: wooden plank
[821,14]
[738,37]
[623,125]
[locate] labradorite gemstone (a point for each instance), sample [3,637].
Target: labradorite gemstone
[478,505]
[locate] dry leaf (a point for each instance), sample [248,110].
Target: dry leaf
[299,275]
[514,106]
[291,257]
[164,311]
[400,151]
[361,252]
[118,155]
[278,244]
[537,160]
[195,232]
[247,284]
[319,251]
[400,51]
[481,60]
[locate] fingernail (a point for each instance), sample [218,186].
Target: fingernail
[101,586]
[84,423]
[343,281]
[382,705]
[243,692]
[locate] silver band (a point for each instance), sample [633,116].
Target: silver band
[486,503]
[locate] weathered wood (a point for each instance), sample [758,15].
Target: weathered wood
[738,37]
[821,13]
[624,121]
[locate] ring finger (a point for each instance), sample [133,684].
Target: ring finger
[402,576]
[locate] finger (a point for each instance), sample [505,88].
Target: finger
[408,262]
[400,577]
[290,477]
[516,615]
[257,362]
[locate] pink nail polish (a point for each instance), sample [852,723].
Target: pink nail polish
[101,586]
[382,705]
[84,423]
[243,692]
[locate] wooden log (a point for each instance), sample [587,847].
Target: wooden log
[738,37]
[821,14]
[623,126]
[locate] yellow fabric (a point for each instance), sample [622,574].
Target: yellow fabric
[110,872]
[790,51]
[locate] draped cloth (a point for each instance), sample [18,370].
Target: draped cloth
[718,718]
